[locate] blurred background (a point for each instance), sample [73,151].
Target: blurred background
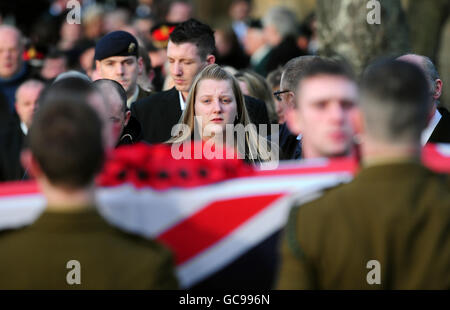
[326,27]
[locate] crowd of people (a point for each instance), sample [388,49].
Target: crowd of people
[125,76]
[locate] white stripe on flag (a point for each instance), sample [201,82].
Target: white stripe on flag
[153,212]
[21,210]
[248,235]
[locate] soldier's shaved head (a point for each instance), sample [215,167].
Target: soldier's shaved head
[395,101]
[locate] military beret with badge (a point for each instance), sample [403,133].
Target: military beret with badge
[116,43]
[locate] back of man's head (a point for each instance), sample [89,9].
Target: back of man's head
[112,88]
[431,73]
[72,74]
[67,87]
[82,91]
[66,142]
[426,64]
[395,101]
[197,33]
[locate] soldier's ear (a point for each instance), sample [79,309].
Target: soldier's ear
[140,65]
[290,100]
[438,89]
[211,59]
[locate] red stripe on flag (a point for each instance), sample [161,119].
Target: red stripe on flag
[211,224]
[18,188]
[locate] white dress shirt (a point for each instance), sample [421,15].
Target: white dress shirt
[24,128]
[133,98]
[182,102]
[427,132]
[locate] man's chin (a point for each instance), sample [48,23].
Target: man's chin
[6,73]
[182,87]
[125,86]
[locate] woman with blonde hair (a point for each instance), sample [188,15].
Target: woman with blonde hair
[215,112]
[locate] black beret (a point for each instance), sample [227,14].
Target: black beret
[116,43]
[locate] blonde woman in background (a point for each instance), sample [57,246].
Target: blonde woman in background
[254,85]
[215,104]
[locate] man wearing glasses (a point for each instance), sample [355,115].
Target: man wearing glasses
[290,144]
[319,96]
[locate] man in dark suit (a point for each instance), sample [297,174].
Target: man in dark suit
[12,138]
[190,49]
[388,228]
[438,129]
[441,133]
[5,114]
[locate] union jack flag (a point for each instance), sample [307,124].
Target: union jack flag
[221,219]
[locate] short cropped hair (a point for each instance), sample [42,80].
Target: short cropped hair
[395,101]
[195,32]
[293,71]
[432,73]
[66,141]
[429,68]
[323,66]
[274,78]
